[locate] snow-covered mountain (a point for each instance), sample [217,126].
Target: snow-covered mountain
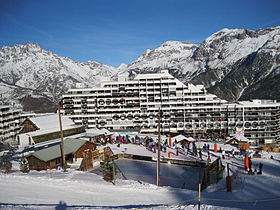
[172,55]
[232,63]
[37,77]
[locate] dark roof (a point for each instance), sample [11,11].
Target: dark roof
[53,152]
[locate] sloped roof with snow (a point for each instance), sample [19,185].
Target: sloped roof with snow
[239,138]
[51,121]
[179,138]
[97,132]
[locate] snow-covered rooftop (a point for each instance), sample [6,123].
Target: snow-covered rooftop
[51,121]
[97,132]
[162,74]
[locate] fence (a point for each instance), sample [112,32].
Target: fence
[214,171]
[92,157]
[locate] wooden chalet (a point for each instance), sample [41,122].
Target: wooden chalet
[239,143]
[50,158]
[182,139]
[45,128]
[28,126]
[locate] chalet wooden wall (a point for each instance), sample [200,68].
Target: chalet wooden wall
[36,164]
[87,146]
[28,126]
[56,135]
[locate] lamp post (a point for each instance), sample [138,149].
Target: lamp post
[61,137]
[159,148]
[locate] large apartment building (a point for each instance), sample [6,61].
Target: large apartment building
[134,105]
[9,124]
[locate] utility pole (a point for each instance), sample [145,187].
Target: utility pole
[199,198]
[62,142]
[159,148]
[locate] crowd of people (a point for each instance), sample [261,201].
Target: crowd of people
[183,147]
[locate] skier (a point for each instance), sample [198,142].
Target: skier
[260,168]
[232,153]
[200,154]
[250,172]
[196,148]
[208,158]
[223,154]
[193,147]
[204,147]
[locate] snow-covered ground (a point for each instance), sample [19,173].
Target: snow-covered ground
[83,190]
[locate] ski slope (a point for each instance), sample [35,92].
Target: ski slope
[81,190]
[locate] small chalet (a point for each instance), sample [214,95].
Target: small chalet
[46,127]
[50,158]
[182,139]
[239,142]
[95,135]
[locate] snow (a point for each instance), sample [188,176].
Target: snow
[46,123]
[34,68]
[97,132]
[51,121]
[122,67]
[180,137]
[78,188]
[142,151]
[222,33]
[31,67]
[169,54]
[75,189]
[242,138]
[234,50]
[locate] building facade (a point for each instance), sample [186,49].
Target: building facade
[126,105]
[9,124]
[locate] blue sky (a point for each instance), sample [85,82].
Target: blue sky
[118,31]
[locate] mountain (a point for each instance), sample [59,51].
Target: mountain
[37,78]
[232,63]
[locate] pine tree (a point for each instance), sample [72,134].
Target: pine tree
[6,164]
[108,170]
[24,166]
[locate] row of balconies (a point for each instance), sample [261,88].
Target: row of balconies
[124,121]
[145,119]
[169,108]
[135,94]
[132,106]
[172,114]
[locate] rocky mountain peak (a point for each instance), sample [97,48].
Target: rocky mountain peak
[223,35]
[176,44]
[21,48]
[248,56]
[28,73]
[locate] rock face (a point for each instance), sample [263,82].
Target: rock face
[37,78]
[232,63]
